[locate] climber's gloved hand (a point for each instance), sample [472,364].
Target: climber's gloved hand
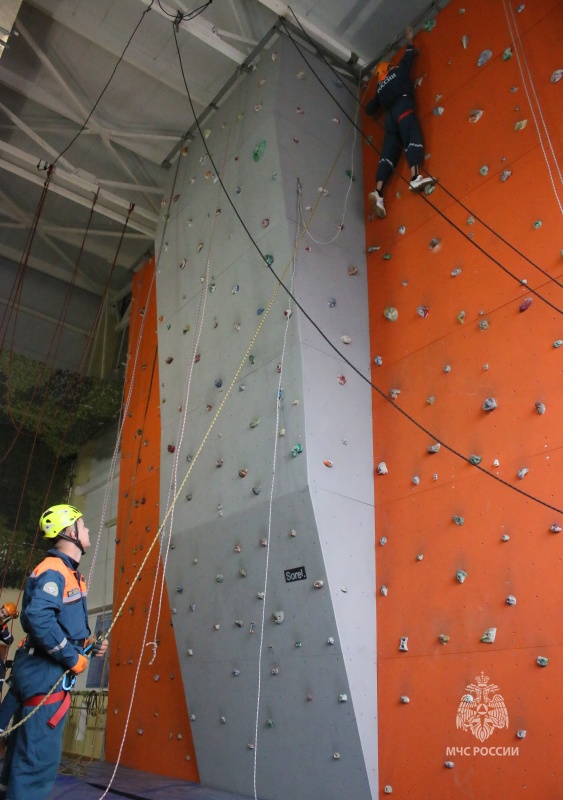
[80,665]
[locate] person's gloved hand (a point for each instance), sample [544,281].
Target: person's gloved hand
[99,648]
[80,665]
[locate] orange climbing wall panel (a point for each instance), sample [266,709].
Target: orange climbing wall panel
[474,327]
[159,737]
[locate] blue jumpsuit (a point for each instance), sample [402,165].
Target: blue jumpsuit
[55,617]
[402,130]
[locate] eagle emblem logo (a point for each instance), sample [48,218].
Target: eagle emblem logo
[482,709]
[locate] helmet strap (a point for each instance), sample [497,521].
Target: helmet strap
[76,541]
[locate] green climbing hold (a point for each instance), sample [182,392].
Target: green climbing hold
[507,54]
[387,256]
[269,260]
[458,520]
[259,150]
[557,343]
[537,224]
[476,460]
[430,25]
[430,188]
[350,174]
[294,452]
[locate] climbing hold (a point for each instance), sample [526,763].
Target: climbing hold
[260,595]
[537,224]
[342,380]
[448,368]
[438,111]
[521,734]
[419,556]
[193,606]
[216,626]
[318,584]
[330,640]
[423,311]
[458,520]
[242,572]
[490,404]
[336,756]
[444,638]
[328,463]
[394,393]
[510,600]
[384,590]
[519,126]
[391,314]
[256,490]
[461,317]
[434,448]
[219,579]
[430,188]
[381,468]
[255,422]
[352,270]
[461,575]
[296,450]
[431,400]
[556,76]
[557,343]
[218,383]
[298,644]
[475,115]
[542,661]
[287,313]
[342,698]
[430,24]
[416,480]
[484,57]
[507,54]
[449,764]
[388,790]
[505,175]
[258,151]
[242,473]
[189,652]
[252,359]
[525,305]
[169,360]
[383,541]
[476,460]
[171,448]
[292,533]
[434,244]
[555,528]
[404,644]
[484,170]
[483,325]
[505,537]
[522,473]
[378,361]
[238,623]
[465,41]
[487,638]
[404,699]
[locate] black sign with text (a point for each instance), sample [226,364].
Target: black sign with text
[295,574]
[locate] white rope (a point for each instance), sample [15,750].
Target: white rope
[279,401]
[549,168]
[340,225]
[173,485]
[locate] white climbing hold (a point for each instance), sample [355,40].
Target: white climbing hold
[487,638]
[381,468]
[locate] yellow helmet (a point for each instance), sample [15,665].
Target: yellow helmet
[381,70]
[57,518]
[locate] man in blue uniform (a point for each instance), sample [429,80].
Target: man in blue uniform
[55,617]
[395,93]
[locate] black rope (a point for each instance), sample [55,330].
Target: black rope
[325,337]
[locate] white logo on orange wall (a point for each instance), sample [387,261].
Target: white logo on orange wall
[482,710]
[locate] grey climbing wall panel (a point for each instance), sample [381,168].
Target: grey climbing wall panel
[316,733]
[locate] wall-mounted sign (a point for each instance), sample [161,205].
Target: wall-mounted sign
[295,574]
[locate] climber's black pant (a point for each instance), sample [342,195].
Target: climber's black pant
[402,130]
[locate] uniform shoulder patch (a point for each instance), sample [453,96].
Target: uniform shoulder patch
[51,588]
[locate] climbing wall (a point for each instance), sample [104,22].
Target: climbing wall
[147,721]
[468,567]
[266,442]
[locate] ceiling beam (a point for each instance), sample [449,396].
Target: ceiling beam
[316,33]
[40,315]
[50,268]
[203,30]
